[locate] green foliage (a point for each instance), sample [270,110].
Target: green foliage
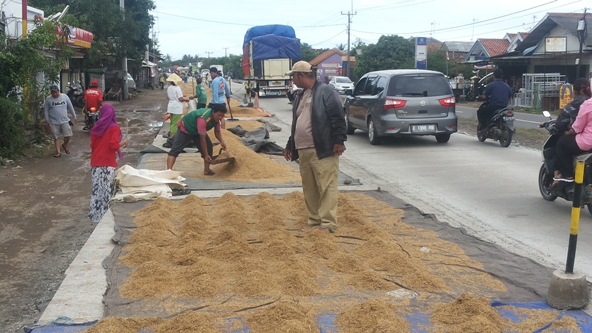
[390,52]
[437,62]
[21,94]
[307,53]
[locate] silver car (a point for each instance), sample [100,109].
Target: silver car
[401,102]
[341,83]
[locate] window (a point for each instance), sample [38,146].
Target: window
[370,85]
[379,86]
[359,90]
[342,80]
[419,85]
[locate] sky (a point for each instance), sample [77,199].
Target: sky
[217,28]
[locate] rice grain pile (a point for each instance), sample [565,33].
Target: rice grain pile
[248,254]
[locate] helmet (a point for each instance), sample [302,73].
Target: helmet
[94,83]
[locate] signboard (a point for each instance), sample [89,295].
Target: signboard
[565,95]
[78,37]
[421,53]
[555,44]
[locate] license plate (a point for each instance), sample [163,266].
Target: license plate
[273,92]
[509,118]
[276,83]
[423,128]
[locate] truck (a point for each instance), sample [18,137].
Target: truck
[268,54]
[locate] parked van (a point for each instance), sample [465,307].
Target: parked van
[401,102]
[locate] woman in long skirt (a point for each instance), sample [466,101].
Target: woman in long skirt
[105,142]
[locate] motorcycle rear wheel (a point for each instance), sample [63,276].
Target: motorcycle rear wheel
[506,135]
[544,180]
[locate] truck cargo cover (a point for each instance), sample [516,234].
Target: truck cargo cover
[275,47]
[272,29]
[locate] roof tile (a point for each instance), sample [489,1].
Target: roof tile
[495,47]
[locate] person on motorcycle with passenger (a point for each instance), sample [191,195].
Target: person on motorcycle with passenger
[93,98]
[498,94]
[578,138]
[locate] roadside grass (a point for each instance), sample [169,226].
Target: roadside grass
[524,137]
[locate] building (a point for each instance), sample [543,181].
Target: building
[329,64]
[456,51]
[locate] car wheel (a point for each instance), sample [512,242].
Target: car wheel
[350,130]
[442,138]
[372,134]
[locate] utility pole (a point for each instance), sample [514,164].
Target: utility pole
[124,61]
[209,64]
[582,28]
[225,52]
[349,21]
[24,23]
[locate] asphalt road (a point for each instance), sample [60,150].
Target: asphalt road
[490,191]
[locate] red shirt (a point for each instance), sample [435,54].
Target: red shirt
[105,148]
[93,96]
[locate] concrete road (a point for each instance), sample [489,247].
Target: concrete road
[522,120]
[490,191]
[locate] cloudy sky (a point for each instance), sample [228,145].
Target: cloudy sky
[218,27]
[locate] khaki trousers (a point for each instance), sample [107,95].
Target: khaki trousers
[319,184]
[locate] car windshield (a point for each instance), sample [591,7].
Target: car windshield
[419,85]
[343,80]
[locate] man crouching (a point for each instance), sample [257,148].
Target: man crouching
[194,127]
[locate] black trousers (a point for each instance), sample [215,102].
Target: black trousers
[484,114]
[565,150]
[182,140]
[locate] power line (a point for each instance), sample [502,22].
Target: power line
[326,40]
[463,25]
[383,7]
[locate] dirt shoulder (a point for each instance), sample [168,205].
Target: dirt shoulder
[523,137]
[44,203]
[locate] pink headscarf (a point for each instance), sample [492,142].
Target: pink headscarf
[107,119]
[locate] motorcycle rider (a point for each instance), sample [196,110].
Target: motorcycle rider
[562,125]
[498,94]
[93,97]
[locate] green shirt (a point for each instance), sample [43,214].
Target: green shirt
[190,121]
[200,93]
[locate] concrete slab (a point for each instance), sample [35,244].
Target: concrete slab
[80,296]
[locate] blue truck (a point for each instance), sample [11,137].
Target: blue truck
[268,53]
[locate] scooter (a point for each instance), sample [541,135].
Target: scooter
[76,95]
[501,127]
[563,190]
[92,117]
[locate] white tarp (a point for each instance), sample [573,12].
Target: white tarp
[144,183]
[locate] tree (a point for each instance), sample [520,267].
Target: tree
[21,93]
[437,62]
[390,52]
[307,53]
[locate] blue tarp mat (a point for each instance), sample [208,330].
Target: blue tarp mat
[418,322]
[272,29]
[275,47]
[61,328]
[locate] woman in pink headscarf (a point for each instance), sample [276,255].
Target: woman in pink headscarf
[105,142]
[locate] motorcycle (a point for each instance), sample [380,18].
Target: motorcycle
[92,117]
[76,95]
[501,127]
[563,190]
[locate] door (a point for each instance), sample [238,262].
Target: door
[356,109]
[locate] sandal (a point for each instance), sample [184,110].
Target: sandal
[57,155]
[67,150]
[209,173]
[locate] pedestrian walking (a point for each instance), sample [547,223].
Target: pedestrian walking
[200,94]
[175,106]
[317,140]
[194,127]
[56,109]
[105,142]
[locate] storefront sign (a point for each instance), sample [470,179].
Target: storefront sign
[421,53]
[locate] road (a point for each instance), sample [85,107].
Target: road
[488,190]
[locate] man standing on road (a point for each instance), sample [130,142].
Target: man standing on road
[200,94]
[219,88]
[317,140]
[498,94]
[56,109]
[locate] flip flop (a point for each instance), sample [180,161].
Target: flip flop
[66,149]
[57,155]
[210,173]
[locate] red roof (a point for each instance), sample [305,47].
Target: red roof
[495,47]
[326,55]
